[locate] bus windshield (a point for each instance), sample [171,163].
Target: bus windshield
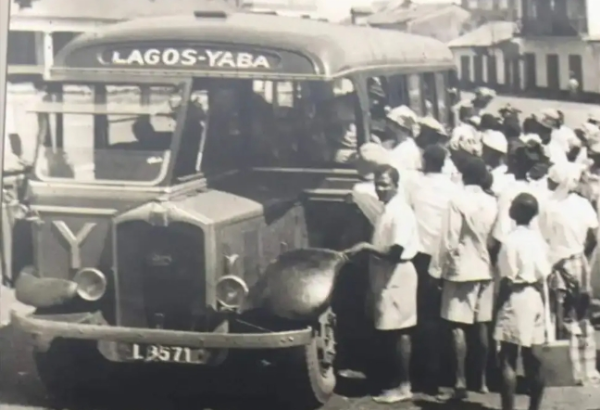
[109,134]
[254,123]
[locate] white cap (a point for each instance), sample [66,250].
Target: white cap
[496,141]
[402,116]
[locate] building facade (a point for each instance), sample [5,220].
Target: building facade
[40,28]
[552,42]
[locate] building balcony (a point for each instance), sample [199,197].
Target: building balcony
[553,27]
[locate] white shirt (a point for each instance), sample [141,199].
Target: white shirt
[466,230]
[501,179]
[451,171]
[429,196]
[523,257]
[397,225]
[504,224]
[565,223]
[406,156]
[365,197]
[555,152]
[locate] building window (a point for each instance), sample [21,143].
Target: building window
[478,69]
[22,48]
[465,70]
[553,71]
[530,71]
[576,69]
[492,70]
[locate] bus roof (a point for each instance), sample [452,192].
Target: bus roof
[291,47]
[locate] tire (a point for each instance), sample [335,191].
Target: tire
[308,372]
[72,369]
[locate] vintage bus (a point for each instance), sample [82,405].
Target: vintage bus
[177,157]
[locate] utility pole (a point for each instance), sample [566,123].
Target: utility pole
[4,23]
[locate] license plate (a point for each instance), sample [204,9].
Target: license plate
[167,354]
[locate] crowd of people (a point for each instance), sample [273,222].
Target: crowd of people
[489,229]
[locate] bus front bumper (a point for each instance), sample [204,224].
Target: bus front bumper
[91,326]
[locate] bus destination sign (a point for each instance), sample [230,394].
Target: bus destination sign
[191,57]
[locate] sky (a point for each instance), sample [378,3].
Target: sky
[339,9]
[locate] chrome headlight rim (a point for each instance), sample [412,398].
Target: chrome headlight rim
[239,281]
[98,275]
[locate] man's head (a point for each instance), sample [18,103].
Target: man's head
[530,125]
[434,158]
[474,172]
[495,147]
[524,208]
[401,121]
[387,180]
[431,132]
[548,121]
[489,122]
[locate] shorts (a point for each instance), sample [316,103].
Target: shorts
[468,302]
[520,320]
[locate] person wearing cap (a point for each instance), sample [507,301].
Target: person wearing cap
[569,225]
[483,97]
[432,132]
[521,160]
[371,156]
[522,320]
[468,127]
[494,150]
[510,125]
[340,127]
[429,196]
[549,124]
[393,283]
[590,183]
[464,263]
[573,85]
[405,154]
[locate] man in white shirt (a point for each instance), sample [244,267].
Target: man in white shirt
[520,162]
[393,282]
[523,320]
[569,224]
[429,196]
[464,263]
[554,139]
[405,155]
[494,150]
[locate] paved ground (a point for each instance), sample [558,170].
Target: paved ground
[21,389]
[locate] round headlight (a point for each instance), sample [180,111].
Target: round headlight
[231,291]
[91,284]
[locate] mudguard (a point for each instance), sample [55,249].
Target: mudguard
[43,292]
[298,285]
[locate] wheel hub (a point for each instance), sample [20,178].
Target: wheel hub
[326,341]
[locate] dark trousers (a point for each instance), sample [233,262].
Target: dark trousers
[427,352]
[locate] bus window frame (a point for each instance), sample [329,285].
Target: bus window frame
[52,87]
[429,86]
[415,93]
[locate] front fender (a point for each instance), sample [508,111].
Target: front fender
[298,285]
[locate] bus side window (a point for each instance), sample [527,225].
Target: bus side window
[443,102]
[430,99]
[399,92]
[379,99]
[415,94]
